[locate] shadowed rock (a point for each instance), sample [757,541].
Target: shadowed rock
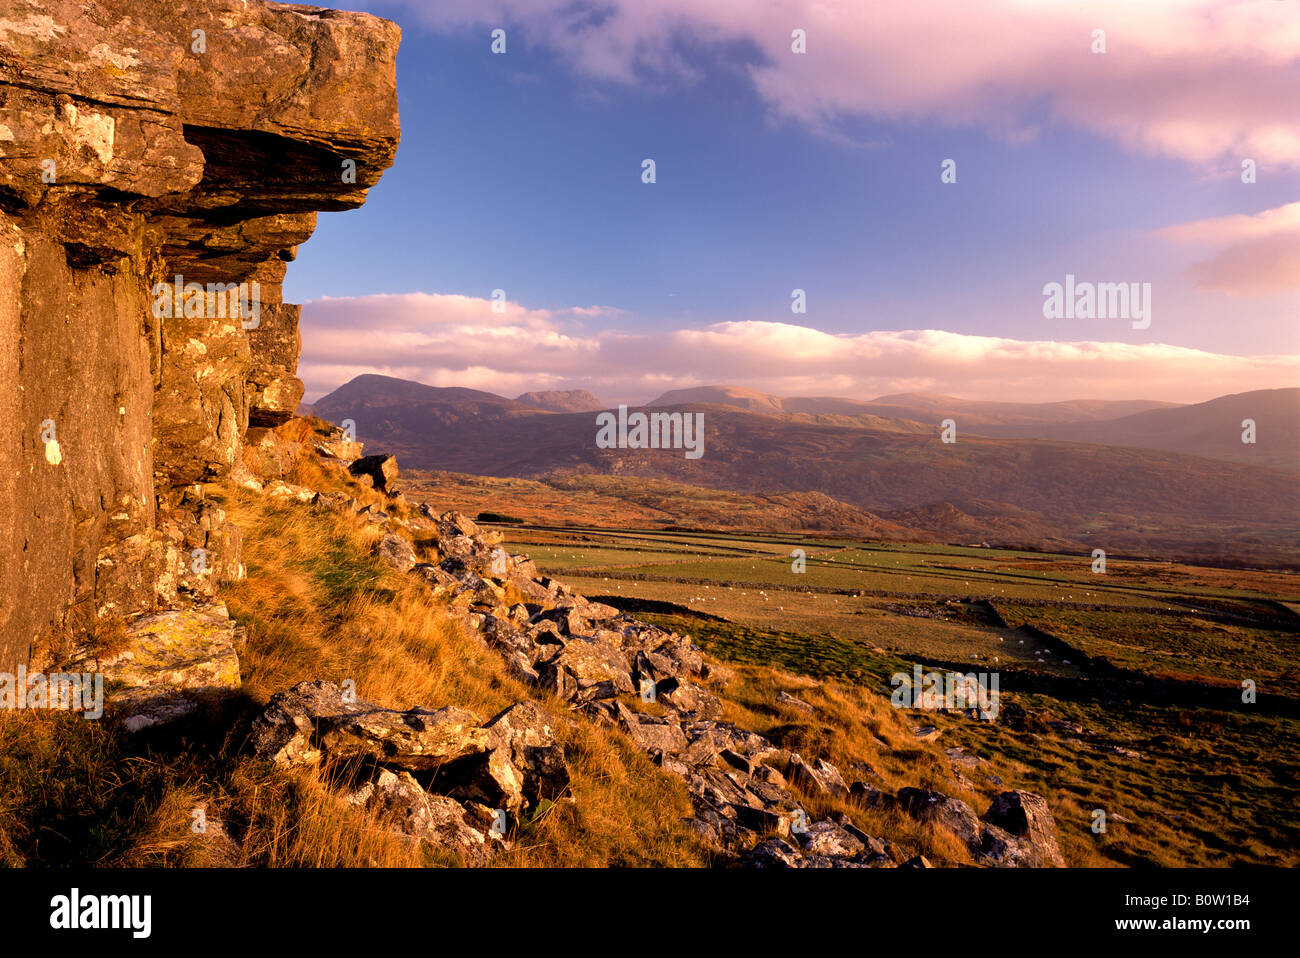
[381,470]
[926,805]
[399,800]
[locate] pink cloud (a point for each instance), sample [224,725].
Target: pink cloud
[1252,254]
[1200,80]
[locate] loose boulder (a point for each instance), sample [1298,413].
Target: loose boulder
[1026,816]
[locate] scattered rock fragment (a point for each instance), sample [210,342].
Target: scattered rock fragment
[416,814]
[785,698]
[479,775]
[927,805]
[397,552]
[313,720]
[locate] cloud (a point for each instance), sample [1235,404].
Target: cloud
[448,340]
[1251,254]
[1200,80]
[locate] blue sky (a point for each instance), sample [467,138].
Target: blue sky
[523,172]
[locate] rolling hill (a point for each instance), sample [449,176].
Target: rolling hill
[1212,429]
[925,408]
[563,400]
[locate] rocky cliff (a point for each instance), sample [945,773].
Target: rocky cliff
[160,162]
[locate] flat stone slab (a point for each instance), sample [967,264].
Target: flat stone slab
[171,660]
[184,649]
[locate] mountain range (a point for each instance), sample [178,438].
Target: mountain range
[1213,429]
[1140,475]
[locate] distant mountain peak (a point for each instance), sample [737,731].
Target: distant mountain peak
[750,399]
[562,400]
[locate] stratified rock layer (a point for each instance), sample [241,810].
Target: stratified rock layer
[140,141]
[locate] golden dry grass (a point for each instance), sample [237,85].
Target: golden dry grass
[317,604]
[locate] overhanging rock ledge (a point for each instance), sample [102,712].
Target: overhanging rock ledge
[140,141]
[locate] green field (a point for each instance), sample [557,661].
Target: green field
[1154,733]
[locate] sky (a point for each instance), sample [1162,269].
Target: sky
[822,171]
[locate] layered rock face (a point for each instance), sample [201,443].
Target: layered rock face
[141,142]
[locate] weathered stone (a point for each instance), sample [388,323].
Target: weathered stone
[168,163]
[1013,716]
[598,669]
[274,389]
[527,732]
[1026,816]
[720,735]
[707,832]
[335,446]
[279,489]
[873,846]
[435,819]
[269,454]
[736,760]
[416,739]
[650,733]
[333,501]
[823,778]
[690,699]
[489,778]
[171,661]
[772,796]
[567,618]
[594,611]
[524,765]
[556,679]
[455,526]
[831,778]
[773,853]
[669,655]
[871,797]
[828,838]
[785,698]
[722,791]
[951,813]
[316,718]
[397,552]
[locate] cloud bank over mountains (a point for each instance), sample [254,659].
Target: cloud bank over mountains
[1209,83]
[454,340]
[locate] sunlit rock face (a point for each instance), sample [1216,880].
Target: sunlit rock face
[147,146]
